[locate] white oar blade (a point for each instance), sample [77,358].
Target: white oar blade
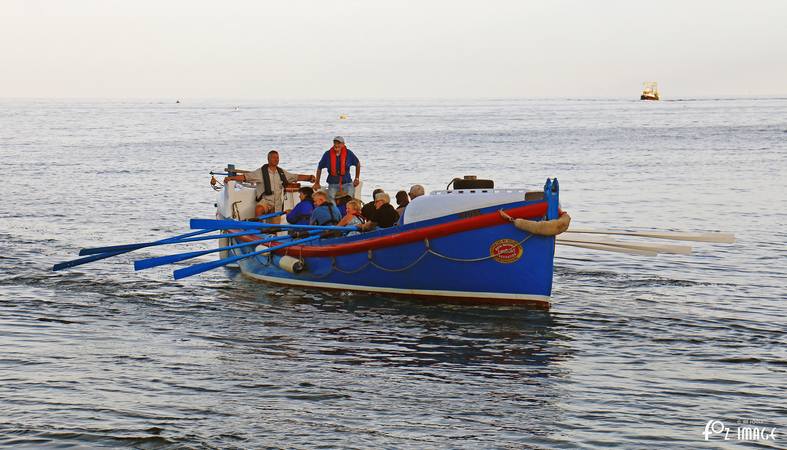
[610,248]
[648,246]
[722,238]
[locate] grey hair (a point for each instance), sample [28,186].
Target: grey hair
[383,196]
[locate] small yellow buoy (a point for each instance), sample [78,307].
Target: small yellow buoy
[342,117]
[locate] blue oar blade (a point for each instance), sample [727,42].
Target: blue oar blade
[131,247]
[173,239]
[169,259]
[115,248]
[204,267]
[85,260]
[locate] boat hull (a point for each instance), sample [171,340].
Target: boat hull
[453,246]
[465,266]
[474,257]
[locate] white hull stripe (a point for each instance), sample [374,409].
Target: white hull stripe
[435,293]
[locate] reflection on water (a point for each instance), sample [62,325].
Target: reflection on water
[479,340]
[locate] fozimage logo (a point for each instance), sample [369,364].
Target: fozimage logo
[743,430]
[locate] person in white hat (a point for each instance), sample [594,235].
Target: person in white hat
[338,160]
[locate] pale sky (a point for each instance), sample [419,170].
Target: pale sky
[390,49]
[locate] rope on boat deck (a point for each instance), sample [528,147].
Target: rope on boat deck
[427,250]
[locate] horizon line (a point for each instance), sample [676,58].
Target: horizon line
[174,99]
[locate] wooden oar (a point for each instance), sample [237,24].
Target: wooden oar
[647,246]
[204,267]
[610,248]
[232,224]
[169,259]
[130,247]
[724,238]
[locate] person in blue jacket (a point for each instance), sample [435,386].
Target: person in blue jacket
[338,160]
[302,212]
[325,212]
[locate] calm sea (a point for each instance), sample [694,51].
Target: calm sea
[636,352]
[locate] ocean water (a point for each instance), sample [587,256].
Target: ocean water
[636,352]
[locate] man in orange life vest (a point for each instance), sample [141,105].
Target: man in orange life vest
[271,181]
[338,160]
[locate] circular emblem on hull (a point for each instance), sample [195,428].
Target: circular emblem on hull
[505,251]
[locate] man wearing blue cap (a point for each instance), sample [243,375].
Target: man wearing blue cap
[338,160]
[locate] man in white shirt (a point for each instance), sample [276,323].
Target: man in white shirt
[271,182]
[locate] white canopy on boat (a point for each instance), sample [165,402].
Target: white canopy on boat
[442,203]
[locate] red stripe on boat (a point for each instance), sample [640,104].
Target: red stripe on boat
[435,231]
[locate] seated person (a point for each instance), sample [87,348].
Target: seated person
[402,200]
[368,209]
[341,199]
[353,216]
[416,190]
[384,215]
[302,212]
[325,212]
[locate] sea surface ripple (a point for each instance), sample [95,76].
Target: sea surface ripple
[636,352]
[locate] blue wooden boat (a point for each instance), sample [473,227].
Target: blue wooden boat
[473,243]
[453,245]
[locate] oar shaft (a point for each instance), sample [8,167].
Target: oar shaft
[85,260]
[609,248]
[89,259]
[723,238]
[237,224]
[109,254]
[660,248]
[204,267]
[130,247]
[172,240]
[169,259]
